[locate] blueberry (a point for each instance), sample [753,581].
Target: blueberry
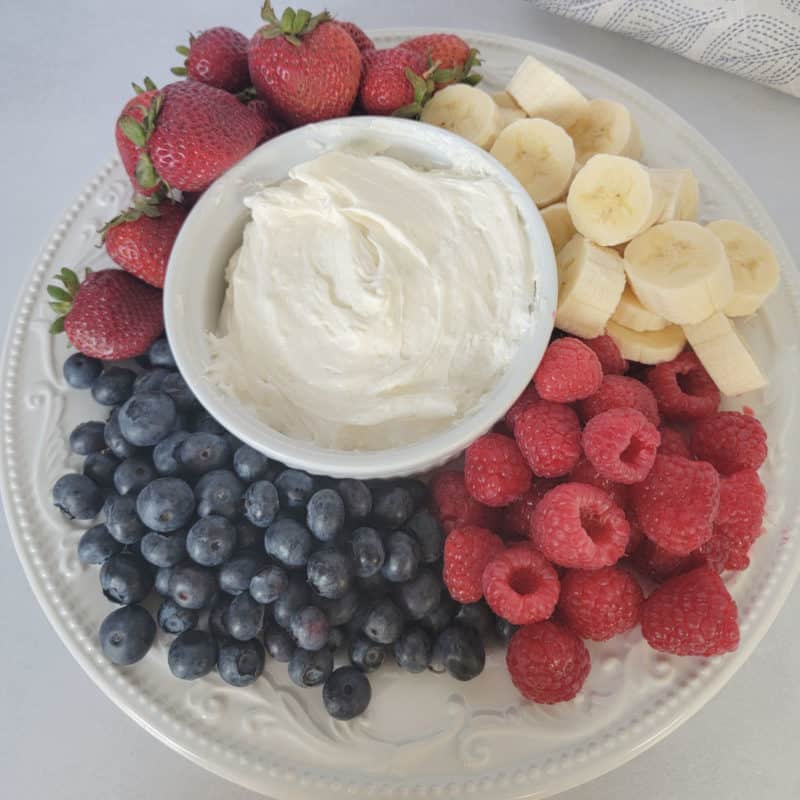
[293,599]
[122,521]
[80,370]
[192,586]
[166,504]
[211,541]
[240,663]
[288,541]
[113,386]
[236,573]
[310,628]
[421,595]
[77,496]
[163,549]
[392,506]
[87,438]
[116,442]
[176,387]
[161,582]
[150,380]
[366,545]
[505,630]
[417,489]
[341,610]
[216,616]
[100,468]
[125,578]
[97,545]
[244,617]
[375,585]
[366,654]
[126,635]
[402,558]
[192,655]
[249,464]
[459,651]
[146,418]
[329,573]
[219,492]
[203,452]
[203,422]
[294,489]
[357,499]
[412,651]
[267,585]
[425,528]
[310,667]
[325,514]
[384,622]
[261,503]
[337,639]
[160,354]
[441,617]
[346,693]
[165,453]
[175,619]
[132,475]
[279,643]
[478,617]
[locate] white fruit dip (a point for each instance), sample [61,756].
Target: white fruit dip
[371,303]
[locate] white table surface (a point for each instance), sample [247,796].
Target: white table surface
[65,68]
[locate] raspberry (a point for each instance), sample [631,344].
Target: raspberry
[742,499]
[523,402]
[621,444]
[547,662]
[549,436]
[676,504]
[683,389]
[584,472]
[608,354]
[579,526]
[453,505]
[495,472]
[520,585]
[517,516]
[715,553]
[568,371]
[467,551]
[730,441]
[620,391]
[673,442]
[657,563]
[637,535]
[691,615]
[601,603]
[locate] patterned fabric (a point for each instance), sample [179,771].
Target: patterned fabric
[756,39]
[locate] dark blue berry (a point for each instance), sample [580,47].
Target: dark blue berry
[192,655]
[384,622]
[293,599]
[132,475]
[236,573]
[288,541]
[402,557]
[425,528]
[203,452]
[125,578]
[116,442]
[203,422]
[249,464]
[412,651]
[357,499]
[122,520]
[310,628]
[417,489]
[337,639]
[77,496]
[366,545]
[294,489]
[366,654]
[150,380]
[341,610]
[478,617]
[267,585]
[147,418]
[279,643]
[113,386]
[100,468]
[176,387]
[175,619]
[459,651]
[248,536]
[505,630]
[80,370]
[161,582]
[160,354]
[216,616]
[375,585]
[325,514]
[329,573]
[392,506]
[244,617]
[97,545]
[441,617]
[88,437]
[219,492]
[192,586]
[163,549]
[421,595]
[211,541]
[126,635]
[240,663]
[346,693]
[165,453]
[166,504]
[310,667]
[261,503]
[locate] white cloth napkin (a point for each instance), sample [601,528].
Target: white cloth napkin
[756,39]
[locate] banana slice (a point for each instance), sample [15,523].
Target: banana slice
[559,224]
[648,347]
[632,314]
[612,199]
[509,110]
[754,265]
[725,355]
[467,111]
[540,155]
[679,271]
[541,92]
[605,127]
[590,282]
[680,192]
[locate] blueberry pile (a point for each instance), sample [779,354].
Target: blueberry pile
[241,559]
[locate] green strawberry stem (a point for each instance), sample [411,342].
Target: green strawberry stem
[141,207]
[292,24]
[139,133]
[183,50]
[424,87]
[463,74]
[63,298]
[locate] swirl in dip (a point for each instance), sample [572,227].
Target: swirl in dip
[371,303]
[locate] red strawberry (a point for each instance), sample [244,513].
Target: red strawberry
[111,315]
[217,57]
[450,54]
[129,152]
[363,42]
[141,238]
[394,82]
[307,68]
[261,107]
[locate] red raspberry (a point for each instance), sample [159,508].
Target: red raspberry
[608,354]
[742,499]
[620,391]
[637,535]
[453,505]
[676,504]
[730,441]
[517,516]
[657,563]
[547,662]
[683,389]
[601,603]
[579,526]
[549,436]
[495,472]
[568,371]
[520,585]
[673,442]
[621,444]
[584,472]
[467,551]
[715,553]
[523,402]
[691,615]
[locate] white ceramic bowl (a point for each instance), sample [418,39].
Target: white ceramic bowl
[195,288]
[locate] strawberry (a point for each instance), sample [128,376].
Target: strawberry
[129,152]
[450,54]
[394,82]
[363,42]
[111,315]
[261,107]
[141,238]
[217,57]
[306,67]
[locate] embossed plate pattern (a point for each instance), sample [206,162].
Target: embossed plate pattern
[423,736]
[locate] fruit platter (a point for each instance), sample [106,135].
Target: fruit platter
[517,614]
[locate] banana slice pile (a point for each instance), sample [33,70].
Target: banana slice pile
[633,260]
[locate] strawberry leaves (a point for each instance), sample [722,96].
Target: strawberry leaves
[142,207]
[62,298]
[292,24]
[139,133]
[183,50]
[461,74]
[423,86]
